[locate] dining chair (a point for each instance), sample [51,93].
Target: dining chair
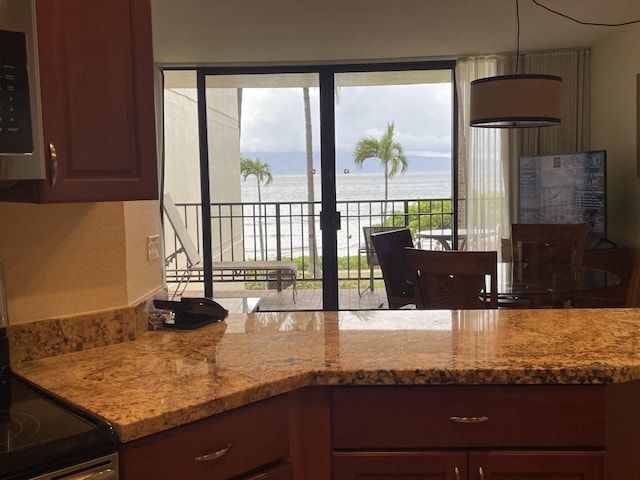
[370,253]
[632,299]
[548,249]
[454,279]
[616,260]
[390,249]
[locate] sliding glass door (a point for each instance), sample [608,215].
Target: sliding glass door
[267,167]
[393,166]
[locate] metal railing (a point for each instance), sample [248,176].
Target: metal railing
[287,230]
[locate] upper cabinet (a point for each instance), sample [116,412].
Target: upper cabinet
[96,85]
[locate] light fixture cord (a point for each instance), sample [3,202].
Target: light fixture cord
[582,22]
[517,34]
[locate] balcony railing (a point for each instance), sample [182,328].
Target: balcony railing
[287,230]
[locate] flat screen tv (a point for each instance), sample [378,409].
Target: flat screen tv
[567,188]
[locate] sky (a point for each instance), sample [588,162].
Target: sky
[273,120]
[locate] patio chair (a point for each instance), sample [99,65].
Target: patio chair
[390,249]
[224,270]
[454,280]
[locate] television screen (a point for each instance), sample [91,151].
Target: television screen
[567,188]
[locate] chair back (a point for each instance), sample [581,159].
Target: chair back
[546,250]
[390,250]
[617,260]
[454,280]
[631,300]
[372,257]
[188,246]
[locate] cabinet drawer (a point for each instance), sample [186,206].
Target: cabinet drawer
[499,416]
[279,472]
[255,435]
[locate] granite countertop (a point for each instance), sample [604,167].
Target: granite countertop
[168,378]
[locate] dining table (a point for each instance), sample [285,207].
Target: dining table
[559,285]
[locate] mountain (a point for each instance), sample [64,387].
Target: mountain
[294,163]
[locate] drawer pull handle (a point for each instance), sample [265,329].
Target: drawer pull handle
[469,419]
[212,456]
[456,473]
[53,166]
[480,473]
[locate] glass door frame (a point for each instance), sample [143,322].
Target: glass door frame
[329,215]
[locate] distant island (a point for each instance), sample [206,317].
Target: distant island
[294,163]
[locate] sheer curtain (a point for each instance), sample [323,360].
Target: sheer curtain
[573,134]
[483,165]
[488,157]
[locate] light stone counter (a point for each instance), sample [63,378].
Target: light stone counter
[168,378]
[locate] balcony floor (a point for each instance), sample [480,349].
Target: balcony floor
[272,300]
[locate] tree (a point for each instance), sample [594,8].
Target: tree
[262,171]
[385,149]
[314,263]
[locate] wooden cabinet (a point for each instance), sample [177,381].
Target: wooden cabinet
[280,472]
[96,82]
[441,465]
[456,465]
[251,442]
[472,432]
[554,465]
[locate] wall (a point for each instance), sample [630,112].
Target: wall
[67,259]
[182,161]
[615,64]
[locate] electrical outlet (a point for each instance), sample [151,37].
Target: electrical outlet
[153,247]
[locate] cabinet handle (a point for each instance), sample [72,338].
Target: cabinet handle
[212,456]
[468,419]
[480,473]
[102,475]
[53,168]
[456,473]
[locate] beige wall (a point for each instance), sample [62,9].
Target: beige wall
[68,259]
[615,62]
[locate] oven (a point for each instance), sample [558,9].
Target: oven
[43,436]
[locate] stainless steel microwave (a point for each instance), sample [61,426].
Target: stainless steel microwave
[21,140]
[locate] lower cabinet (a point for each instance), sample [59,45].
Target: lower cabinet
[250,443]
[461,465]
[468,433]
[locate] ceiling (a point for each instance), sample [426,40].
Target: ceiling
[254,32]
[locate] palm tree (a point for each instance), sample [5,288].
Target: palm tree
[314,263]
[385,149]
[262,171]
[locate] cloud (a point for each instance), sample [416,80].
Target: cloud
[273,118]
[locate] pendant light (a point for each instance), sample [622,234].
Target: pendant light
[516,101]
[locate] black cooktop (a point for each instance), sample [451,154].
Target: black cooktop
[41,433]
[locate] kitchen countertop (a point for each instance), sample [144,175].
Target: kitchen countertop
[167,378]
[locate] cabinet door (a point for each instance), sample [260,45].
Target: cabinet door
[399,465]
[551,465]
[96,70]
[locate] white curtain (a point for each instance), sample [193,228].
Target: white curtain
[488,158]
[483,165]
[573,134]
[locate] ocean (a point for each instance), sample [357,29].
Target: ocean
[349,187]
[352,186]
